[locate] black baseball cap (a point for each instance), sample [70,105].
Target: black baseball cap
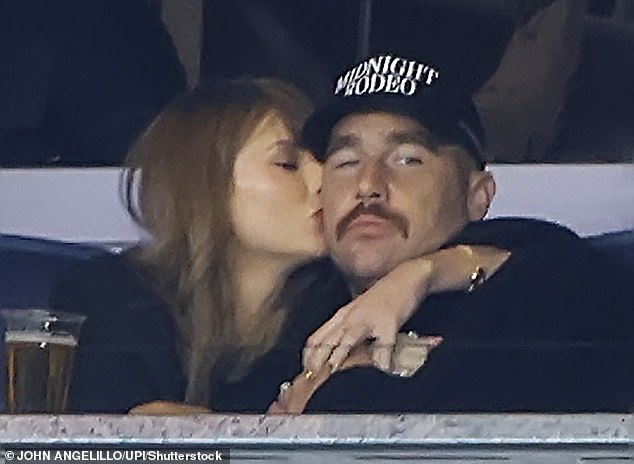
[405,86]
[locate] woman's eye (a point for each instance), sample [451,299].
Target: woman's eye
[288,165]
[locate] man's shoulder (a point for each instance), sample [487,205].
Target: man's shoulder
[510,231]
[556,279]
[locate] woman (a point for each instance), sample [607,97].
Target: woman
[231,202]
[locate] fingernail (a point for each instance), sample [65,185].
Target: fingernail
[383,360]
[334,368]
[308,374]
[283,387]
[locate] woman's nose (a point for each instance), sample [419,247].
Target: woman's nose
[312,176]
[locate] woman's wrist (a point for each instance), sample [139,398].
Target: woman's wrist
[422,270]
[453,269]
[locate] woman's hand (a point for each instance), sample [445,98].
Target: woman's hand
[167,408]
[378,314]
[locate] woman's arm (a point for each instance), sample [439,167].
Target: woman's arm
[379,313]
[168,408]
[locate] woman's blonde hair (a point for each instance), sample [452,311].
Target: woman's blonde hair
[186,160]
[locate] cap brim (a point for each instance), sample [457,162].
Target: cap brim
[317,129]
[444,116]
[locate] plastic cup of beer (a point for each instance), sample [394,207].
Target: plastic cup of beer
[40,347]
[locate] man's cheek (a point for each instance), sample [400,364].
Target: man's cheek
[330,224]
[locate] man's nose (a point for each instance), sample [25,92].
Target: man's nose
[372,185]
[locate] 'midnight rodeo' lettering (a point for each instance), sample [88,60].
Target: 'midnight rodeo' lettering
[387,74]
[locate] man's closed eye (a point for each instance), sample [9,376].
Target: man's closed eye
[346,163]
[409,160]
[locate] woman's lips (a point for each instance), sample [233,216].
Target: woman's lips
[318,216]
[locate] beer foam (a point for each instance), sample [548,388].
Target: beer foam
[40,337]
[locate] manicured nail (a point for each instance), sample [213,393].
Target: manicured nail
[283,387]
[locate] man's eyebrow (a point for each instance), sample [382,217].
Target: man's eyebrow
[415,137]
[338,142]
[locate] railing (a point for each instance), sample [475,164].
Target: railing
[521,438]
[84,205]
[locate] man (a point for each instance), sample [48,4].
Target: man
[403,177]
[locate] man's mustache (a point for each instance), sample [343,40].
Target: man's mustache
[374,209]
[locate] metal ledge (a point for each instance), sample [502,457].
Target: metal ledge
[346,430]
[346,439]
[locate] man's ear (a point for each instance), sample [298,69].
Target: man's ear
[480,195]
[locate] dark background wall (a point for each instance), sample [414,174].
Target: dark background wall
[82,78]
[311,42]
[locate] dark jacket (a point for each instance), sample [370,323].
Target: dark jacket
[551,332]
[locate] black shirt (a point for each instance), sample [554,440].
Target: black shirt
[551,331]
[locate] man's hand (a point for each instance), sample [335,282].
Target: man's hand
[167,408]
